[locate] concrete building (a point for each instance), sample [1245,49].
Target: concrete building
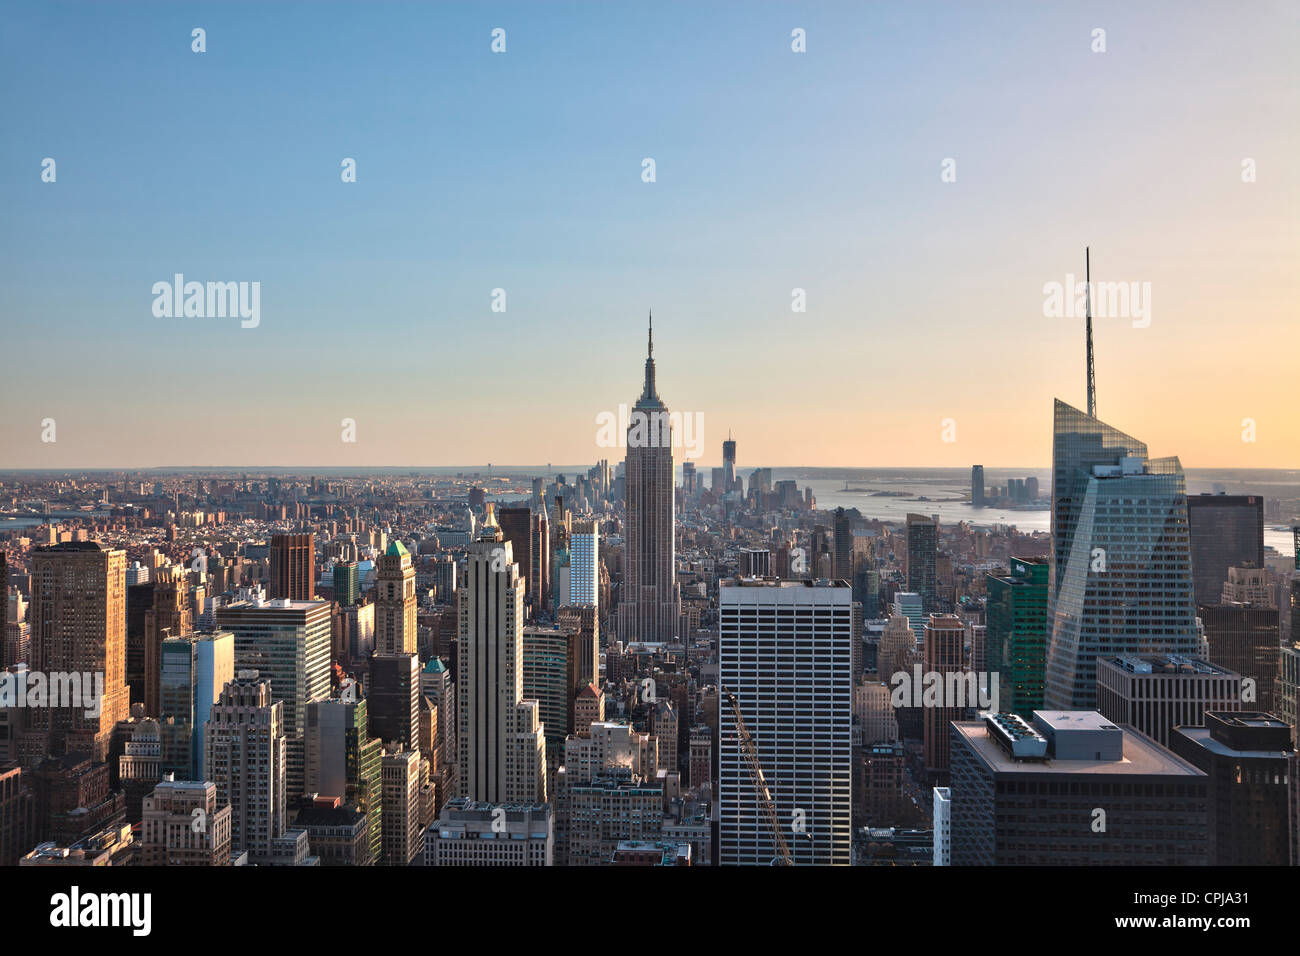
[942,826]
[1156,693]
[184,825]
[485,834]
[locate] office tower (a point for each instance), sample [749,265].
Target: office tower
[1244,638]
[843,561]
[944,655]
[344,761]
[943,824]
[347,585]
[517,528]
[393,699]
[611,744]
[718,481]
[662,722]
[649,604]
[17,638]
[874,711]
[287,643]
[195,669]
[584,564]
[557,665]
[245,755]
[1115,797]
[437,688]
[612,807]
[139,601]
[17,815]
[1157,693]
[729,463]
[977,486]
[897,644]
[585,619]
[539,582]
[922,553]
[140,765]
[444,579]
[1226,531]
[502,748]
[1121,583]
[700,764]
[755,563]
[1015,639]
[293,567]
[78,617]
[338,833]
[1251,767]
[185,825]
[560,574]
[357,631]
[170,616]
[395,630]
[784,653]
[74,798]
[401,795]
[689,478]
[486,834]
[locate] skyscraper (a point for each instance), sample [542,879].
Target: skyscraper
[977,486]
[517,528]
[729,463]
[502,748]
[945,636]
[395,616]
[287,643]
[78,616]
[170,616]
[293,566]
[1121,581]
[784,652]
[195,669]
[344,761]
[649,602]
[843,560]
[922,553]
[244,754]
[1227,531]
[584,564]
[1016,639]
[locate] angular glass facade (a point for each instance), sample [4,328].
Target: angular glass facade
[1121,580]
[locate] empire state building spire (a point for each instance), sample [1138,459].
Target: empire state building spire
[649,396]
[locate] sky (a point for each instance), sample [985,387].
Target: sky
[925,340]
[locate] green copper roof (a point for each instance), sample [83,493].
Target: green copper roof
[396,549]
[434,666]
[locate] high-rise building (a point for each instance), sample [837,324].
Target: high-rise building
[755,563]
[293,567]
[244,754]
[347,583]
[977,486]
[843,560]
[393,699]
[437,688]
[17,815]
[922,553]
[729,463]
[502,748]
[557,665]
[78,616]
[401,796]
[1251,766]
[539,579]
[1227,531]
[1157,693]
[1244,638]
[611,807]
[170,616]
[1073,789]
[584,564]
[1121,581]
[345,762]
[943,824]
[1015,640]
[395,626]
[185,825]
[195,669]
[649,606]
[944,655]
[784,653]
[287,643]
[517,528]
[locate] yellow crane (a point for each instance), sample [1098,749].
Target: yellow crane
[761,790]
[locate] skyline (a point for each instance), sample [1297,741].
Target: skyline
[476,171]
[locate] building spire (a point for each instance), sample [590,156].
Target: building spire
[651,340]
[649,396]
[1092,377]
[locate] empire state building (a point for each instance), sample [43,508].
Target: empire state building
[650,604]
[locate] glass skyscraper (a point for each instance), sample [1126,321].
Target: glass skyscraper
[1121,579]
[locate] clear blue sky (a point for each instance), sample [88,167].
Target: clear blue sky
[775,170]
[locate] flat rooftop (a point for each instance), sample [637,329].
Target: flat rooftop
[1166,665]
[1142,756]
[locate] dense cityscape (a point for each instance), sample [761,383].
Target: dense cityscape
[629,665]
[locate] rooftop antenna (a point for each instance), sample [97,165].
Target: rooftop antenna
[1092,374]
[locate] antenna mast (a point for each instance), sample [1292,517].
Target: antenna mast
[1092,375]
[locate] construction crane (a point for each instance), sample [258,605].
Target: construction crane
[761,790]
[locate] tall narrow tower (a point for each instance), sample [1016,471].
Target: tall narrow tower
[650,604]
[1092,376]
